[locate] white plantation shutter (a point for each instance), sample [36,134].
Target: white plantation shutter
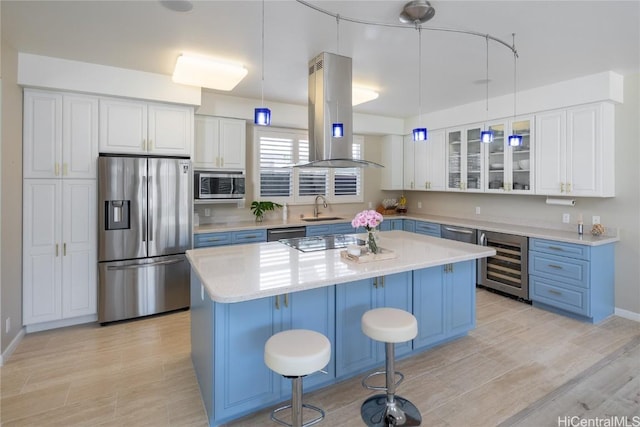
[276,157]
[278,149]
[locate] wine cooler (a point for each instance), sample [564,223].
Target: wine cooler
[507,271]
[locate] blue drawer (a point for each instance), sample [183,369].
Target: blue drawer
[248,236]
[211,239]
[343,228]
[318,230]
[555,294]
[560,248]
[568,270]
[428,228]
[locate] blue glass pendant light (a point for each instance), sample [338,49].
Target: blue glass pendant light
[486,136]
[515,140]
[262,115]
[337,130]
[419,134]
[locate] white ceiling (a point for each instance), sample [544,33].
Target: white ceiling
[556,40]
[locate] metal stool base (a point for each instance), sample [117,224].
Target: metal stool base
[304,405]
[376,412]
[381,388]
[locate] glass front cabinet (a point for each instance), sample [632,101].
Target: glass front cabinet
[465,153]
[510,169]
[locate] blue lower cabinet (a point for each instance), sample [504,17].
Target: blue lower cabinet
[245,383]
[355,352]
[328,229]
[248,236]
[318,230]
[428,228]
[391,224]
[409,225]
[444,300]
[343,228]
[206,240]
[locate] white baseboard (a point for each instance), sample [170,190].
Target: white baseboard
[631,315]
[12,346]
[37,327]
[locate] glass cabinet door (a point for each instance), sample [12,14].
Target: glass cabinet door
[473,178]
[454,164]
[496,158]
[520,179]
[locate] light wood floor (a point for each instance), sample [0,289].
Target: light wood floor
[520,366]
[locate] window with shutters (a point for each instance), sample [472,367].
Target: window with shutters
[277,149]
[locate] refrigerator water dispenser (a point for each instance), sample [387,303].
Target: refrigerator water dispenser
[117,215]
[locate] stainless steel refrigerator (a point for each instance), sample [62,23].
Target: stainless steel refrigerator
[144,224]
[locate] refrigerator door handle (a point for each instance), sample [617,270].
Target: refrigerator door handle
[144,217]
[151,264]
[151,208]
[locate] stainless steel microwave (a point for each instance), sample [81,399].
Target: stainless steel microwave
[218,185]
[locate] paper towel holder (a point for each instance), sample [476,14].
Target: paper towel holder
[561,202]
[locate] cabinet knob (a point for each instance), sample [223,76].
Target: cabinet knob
[568,187]
[144,145]
[65,169]
[56,249]
[562,187]
[64,249]
[56,168]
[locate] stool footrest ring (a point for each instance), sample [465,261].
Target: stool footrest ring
[304,405]
[376,373]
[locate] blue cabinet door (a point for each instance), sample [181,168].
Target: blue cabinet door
[211,239]
[396,292]
[428,305]
[318,230]
[354,350]
[409,225]
[314,310]
[343,228]
[391,224]
[428,228]
[461,297]
[245,382]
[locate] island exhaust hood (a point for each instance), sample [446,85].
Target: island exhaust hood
[330,102]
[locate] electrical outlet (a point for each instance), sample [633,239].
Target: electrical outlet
[7,325]
[595,219]
[477,210]
[566,218]
[419,205]
[370,205]
[207,212]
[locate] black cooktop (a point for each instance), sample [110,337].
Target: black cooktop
[322,243]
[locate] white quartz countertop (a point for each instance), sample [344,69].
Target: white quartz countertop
[561,235]
[256,270]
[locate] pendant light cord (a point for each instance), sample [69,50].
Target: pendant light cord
[515,62]
[419,28]
[262,48]
[487,78]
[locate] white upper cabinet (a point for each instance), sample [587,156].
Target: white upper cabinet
[137,127]
[220,143]
[392,160]
[510,169]
[464,154]
[408,153]
[434,173]
[575,151]
[60,135]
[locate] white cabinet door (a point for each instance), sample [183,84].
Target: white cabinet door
[123,126]
[520,160]
[408,180]
[233,144]
[392,160]
[79,136]
[551,134]
[220,143]
[420,168]
[206,146]
[79,243]
[42,289]
[170,129]
[42,134]
[436,161]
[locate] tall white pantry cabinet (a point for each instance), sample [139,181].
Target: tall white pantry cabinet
[59,200]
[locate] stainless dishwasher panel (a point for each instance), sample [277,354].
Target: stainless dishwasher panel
[275,234]
[137,288]
[508,270]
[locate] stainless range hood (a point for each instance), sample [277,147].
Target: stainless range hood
[330,102]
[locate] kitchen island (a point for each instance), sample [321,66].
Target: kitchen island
[241,295]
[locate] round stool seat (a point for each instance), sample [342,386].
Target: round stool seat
[297,352]
[390,325]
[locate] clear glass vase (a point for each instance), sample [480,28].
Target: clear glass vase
[372,242]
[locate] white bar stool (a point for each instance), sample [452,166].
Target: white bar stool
[389,325]
[294,354]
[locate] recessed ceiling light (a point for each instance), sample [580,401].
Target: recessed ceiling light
[177,5]
[208,72]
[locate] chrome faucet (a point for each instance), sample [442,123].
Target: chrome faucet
[315,205]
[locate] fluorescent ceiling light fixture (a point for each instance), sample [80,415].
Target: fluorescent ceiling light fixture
[207,72]
[360,95]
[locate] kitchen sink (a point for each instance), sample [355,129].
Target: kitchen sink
[320,218]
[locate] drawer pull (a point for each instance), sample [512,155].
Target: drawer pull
[213,239]
[556,248]
[551,291]
[557,267]
[250,236]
